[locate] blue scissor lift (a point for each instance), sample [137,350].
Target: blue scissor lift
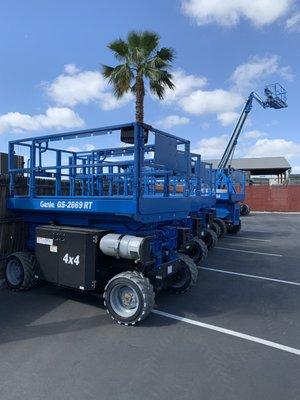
[195,233]
[112,220]
[204,226]
[230,192]
[203,201]
[230,183]
[215,227]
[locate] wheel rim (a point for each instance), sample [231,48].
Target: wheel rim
[14,272]
[124,300]
[221,226]
[192,251]
[181,279]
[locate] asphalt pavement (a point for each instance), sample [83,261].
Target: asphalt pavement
[235,336]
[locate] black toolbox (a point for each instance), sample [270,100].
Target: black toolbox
[68,256]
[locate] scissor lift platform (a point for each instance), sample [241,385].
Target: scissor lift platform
[118,181]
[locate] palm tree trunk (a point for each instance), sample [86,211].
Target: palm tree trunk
[139,101]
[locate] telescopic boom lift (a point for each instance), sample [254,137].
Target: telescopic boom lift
[275,98]
[230,183]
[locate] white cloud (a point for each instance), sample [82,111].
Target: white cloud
[293,23]
[110,102]
[247,76]
[217,101]
[296,169]
[274,148]
[255,134]
[193,99]
[82,87]
[251,144]
[212,147]
[73,148]
[227,118]
[172,120]
[89,147]
[230,12]
[71,69]
[86,147]
[205,125]
[55,117]
[184,84]
[190,97]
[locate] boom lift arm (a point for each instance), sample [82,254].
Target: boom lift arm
[275,98]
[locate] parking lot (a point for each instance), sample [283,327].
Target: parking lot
[236,335]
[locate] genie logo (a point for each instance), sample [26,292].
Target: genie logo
[47,204]
[67,205]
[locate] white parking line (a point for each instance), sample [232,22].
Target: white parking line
[230,332]
[250,276]
[249,251]
[255,231]
[248,238]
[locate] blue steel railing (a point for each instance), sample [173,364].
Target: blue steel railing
[202,177]
[230,184]
[156,169]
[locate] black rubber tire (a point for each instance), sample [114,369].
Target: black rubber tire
[244,209]
[248,209]
[234,228]
[144,290]
[222,226]
[197,251]
[210,239]
[187,277]
[28,265]
[215,227]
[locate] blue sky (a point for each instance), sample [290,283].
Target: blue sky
[51,53]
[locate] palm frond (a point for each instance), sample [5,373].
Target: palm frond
[166,79]
[107,71]
[135,49]
[157,89]
[156,64]
[149,42]
[133,88]
[121,79]
[119,91]
[120,49]
[134,39]
[166,54]
[151,72]
[163,77]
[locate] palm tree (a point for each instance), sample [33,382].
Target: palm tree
[140,58]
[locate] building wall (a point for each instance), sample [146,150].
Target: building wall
[273,198]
